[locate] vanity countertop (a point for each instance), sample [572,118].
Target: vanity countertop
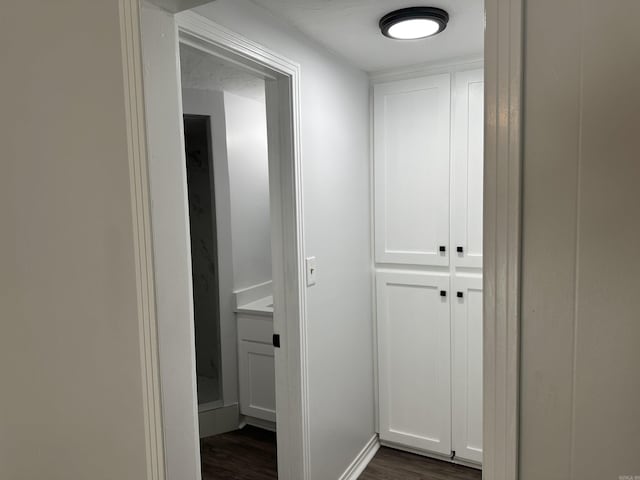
[262,306]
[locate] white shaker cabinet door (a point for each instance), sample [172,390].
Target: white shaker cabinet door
[256,367]
[414,360]
[467,367]
[468,162]
[412,171]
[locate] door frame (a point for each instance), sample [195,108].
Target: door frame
[502,237]
[285,178]
[502,241]
[164,455]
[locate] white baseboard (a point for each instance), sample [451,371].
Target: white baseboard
[365,456]
[258,423]
[218,420]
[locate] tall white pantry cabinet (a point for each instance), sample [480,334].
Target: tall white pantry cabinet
[428,169]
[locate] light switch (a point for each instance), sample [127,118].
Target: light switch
[311,271]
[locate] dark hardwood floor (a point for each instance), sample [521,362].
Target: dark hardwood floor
[250,454]
[389,464]
[247,454]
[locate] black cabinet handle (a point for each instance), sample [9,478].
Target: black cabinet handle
[460,249]
[459,294]
[443,293]
[443,248]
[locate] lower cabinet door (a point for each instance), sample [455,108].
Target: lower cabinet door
[467,368]
[257,380]
[414,360]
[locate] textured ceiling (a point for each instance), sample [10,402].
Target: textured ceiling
[206,72]
[350,29]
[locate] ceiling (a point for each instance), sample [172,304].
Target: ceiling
[201,71]
[350,29]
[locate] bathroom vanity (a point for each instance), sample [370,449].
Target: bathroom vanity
[256,362]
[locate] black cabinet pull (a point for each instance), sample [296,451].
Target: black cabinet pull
[460,249]
[443,293]
[460,294]
[442,249]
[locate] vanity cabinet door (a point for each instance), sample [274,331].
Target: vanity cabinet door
[257,381]
[256,364]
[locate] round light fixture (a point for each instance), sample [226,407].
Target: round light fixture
[413,23]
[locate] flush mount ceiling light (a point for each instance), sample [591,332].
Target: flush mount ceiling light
[414,23]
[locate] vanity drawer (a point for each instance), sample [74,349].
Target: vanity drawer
[255,328]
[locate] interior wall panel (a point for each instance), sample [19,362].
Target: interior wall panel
[580,418]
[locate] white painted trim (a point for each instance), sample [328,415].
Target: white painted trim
[258,423]
[502,237]
[426,69]
[130,37]
[218,420]
[355,469]
[287,233]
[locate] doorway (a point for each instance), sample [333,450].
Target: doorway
[501,290]
[224,111]
[182,417]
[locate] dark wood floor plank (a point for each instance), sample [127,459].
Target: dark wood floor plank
[389,464]
[250,454]
[247,454]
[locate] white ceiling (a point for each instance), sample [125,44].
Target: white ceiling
[350,29]
[201,71]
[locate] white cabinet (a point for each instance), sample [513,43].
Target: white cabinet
[256,367]
[411,158]
[428,171]
[414,368]
[467,367]
[467,159]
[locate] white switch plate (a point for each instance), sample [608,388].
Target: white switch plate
[311,271]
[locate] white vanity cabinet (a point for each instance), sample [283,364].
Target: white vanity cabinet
[256,366]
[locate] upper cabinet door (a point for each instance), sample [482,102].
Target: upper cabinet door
[468,160]
[411,168]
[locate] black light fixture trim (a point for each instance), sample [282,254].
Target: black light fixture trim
[441,17]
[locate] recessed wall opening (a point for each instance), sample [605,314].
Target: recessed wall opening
[420,347]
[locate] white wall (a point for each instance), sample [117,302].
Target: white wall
[580,417]
[246,121]
[335,156]
[71,405]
